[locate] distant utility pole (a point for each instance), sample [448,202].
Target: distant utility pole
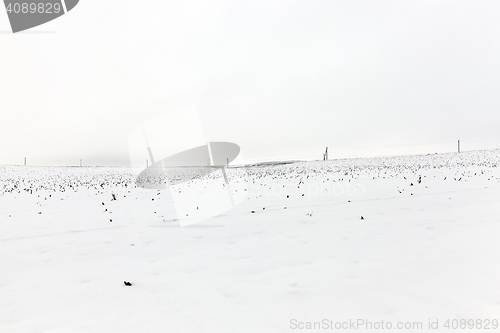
[25,161]
[459,146]
[325,155]
[80,163]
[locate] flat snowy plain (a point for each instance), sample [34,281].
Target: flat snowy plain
[427,248]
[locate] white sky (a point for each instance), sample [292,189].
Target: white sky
[282,79]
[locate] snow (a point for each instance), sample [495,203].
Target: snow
[422,252]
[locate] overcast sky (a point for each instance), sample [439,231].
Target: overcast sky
[282,79]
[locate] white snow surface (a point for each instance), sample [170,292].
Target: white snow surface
[423,251]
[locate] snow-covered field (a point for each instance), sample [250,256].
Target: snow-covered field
[399,239]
